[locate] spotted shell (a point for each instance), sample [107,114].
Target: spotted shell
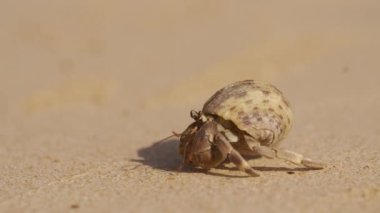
[253,107]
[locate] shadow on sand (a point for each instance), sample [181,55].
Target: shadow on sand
[161,155]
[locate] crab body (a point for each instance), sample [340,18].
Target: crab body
[246,118]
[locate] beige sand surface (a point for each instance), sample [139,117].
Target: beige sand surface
[88,87]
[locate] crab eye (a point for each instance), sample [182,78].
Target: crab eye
[194,114]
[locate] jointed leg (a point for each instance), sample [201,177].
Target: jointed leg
[290,156]
[298,159]
[225,147]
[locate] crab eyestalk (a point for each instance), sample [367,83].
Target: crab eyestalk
[198,116]
[194,114]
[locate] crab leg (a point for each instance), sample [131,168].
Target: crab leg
[298,159]
[234,156]
[287,155]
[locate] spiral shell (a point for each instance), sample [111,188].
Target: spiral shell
[253,107]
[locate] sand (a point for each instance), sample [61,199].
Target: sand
[89,88]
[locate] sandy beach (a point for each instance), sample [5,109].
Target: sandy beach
[89,88]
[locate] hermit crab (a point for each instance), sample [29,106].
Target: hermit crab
[246,118]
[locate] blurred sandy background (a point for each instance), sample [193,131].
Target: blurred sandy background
[88,87]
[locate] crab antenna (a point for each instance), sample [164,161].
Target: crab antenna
[174,134]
